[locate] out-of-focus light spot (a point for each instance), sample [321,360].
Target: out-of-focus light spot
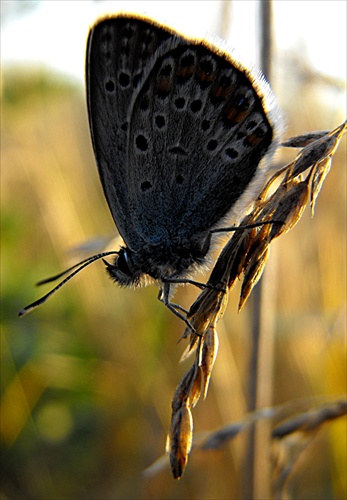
[54,422]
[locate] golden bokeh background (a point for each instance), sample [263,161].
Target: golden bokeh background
[87,379]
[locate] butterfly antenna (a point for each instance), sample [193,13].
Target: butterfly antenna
[81,265]
[57,276]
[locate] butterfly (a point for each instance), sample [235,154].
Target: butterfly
[182,133]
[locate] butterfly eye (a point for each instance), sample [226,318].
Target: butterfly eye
[121,272]
[122,263]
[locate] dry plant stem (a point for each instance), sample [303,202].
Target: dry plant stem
[192,386]
[257,482]
[294,424]
[246,254]
[280,207]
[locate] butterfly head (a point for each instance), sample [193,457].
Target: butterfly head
[158,262]
[123,271]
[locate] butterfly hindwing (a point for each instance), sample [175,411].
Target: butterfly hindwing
[197,134]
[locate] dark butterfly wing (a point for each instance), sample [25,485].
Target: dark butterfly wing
[178,130]
[197,132]
[118,51]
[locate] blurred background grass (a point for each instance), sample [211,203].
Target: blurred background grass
[87,379]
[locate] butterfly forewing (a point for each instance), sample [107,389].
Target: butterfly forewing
[118,52]
[178,130]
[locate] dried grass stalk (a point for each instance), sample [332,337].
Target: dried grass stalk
[290,436]
[278,209]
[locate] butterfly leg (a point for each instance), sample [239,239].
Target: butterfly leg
[164,297]
[202,286]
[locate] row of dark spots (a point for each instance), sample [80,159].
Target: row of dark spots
[142,145]
[160,123]
[195,106]
[124,81]
[242,103]
[128,32]
[185,69]
[205,72]
[258,131]
[146,185]
[145,37]
[105,39]
[205,79]
[204,75]
[219,93]
[212,144]
[230,152]
[105,43]
[179,103]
